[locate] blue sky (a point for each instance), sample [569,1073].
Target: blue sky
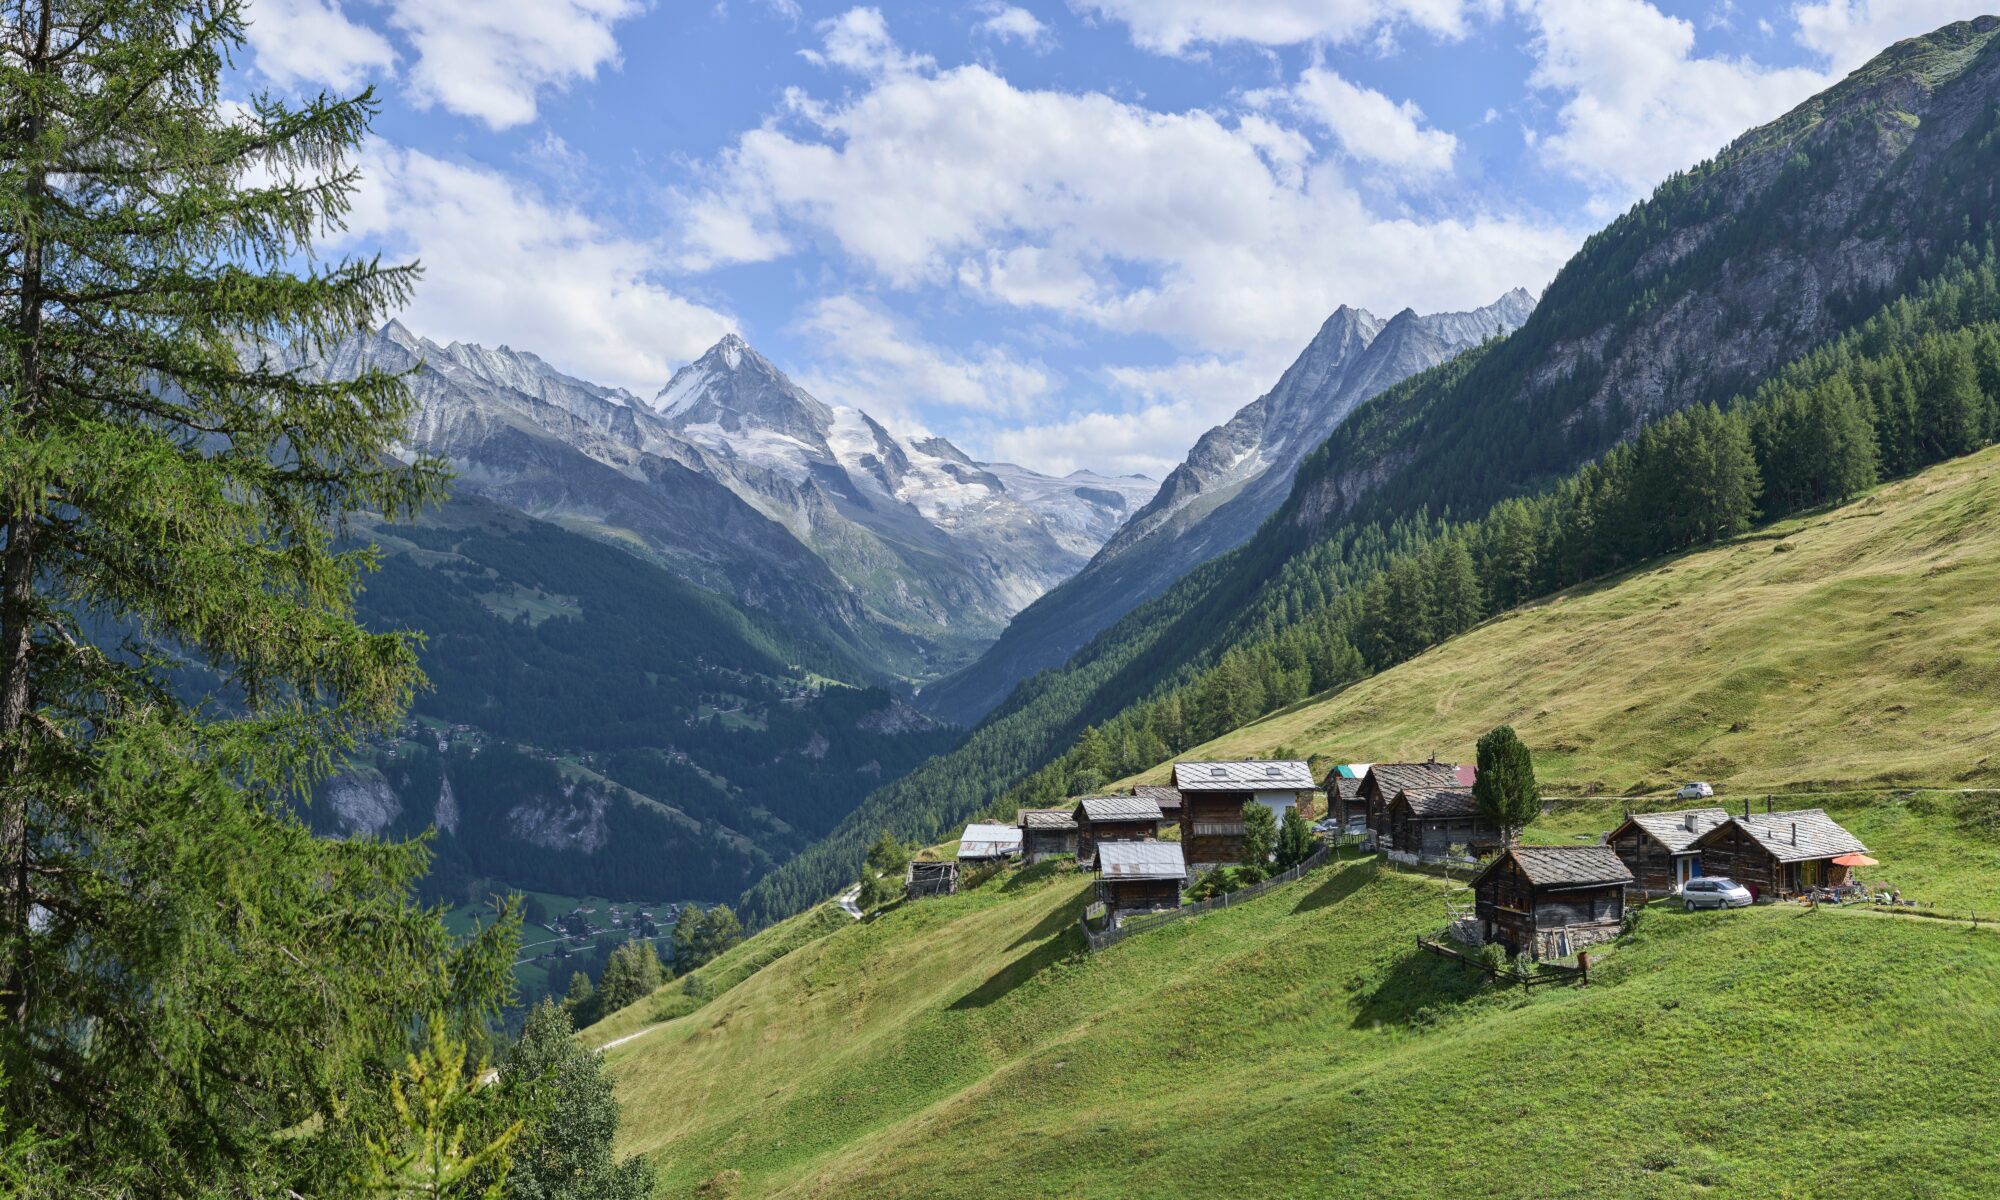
[1064,234]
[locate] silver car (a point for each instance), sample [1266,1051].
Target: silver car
[1714,892]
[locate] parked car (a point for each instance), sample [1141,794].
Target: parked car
[1696,791]
[1714,892]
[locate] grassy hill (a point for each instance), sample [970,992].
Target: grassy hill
[1302,1045]
[1846,648]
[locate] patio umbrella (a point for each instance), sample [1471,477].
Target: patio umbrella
[1854,860]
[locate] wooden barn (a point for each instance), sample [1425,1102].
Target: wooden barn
[1343,796]
[1101,819]
[1425,823]
[1551,901]
[1383,780]
[1166,796]
[1046,833]
[1778,854]
[984,841]
[1659,847]
[1139,877]
[922,879]
[1213,795]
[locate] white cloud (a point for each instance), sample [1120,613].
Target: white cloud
[859,40]
[1226,238]
[1368,124]
[1012,23]
[490,60]
[872,360]
[1151,440]
[1641,103]
[1172,26]
[503,265]
[300,42]
[1850,32]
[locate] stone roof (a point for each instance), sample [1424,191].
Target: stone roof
[1166,796]
[1678,831]
[1800,835]
[1439,802]
[1557,866]
[1118,808]
[1141,860]
[1391,778]
[1047,818]
[1289,775]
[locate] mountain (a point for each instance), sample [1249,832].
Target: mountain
[1236,475]
[1843,255]
[905,556]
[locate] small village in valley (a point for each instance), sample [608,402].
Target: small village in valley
[1226,831]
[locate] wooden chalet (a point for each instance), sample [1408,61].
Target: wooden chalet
[985,841]
[922,879]
[1139,877]
[1046,833]
[1777,854]
[1550,901]
[1213,795]
[1383,780]
[1166,796]
[1343,801]
[1659,847]
[1425,823]
[1101,819]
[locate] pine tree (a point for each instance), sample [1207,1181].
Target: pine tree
[632,974]
[1260,836]
[581,999]
[184,970]
[1505,787]
[1295,840]
[571,1118]
[1951,411]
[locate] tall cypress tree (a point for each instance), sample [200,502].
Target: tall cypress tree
[185,971]
[1505,788]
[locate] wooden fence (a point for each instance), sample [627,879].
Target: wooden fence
[1099,939]
[1542,975]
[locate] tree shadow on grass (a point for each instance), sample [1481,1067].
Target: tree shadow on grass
[1040,873]
[1058,937]
[1343,882]
[1419,990]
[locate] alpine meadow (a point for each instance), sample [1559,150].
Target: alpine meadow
[610,600]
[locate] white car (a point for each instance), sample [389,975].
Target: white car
[1695,791]
[1714,891]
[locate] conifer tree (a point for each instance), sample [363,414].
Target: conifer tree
[184,970]
[1260,836]
[1295,840]
[1505,787]
[564,1093]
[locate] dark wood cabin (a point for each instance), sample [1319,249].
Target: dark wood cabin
[922,879]
[1101,819]
[1658,847]
[1425,823]
[1138,877]
[1383,780]
[1213,795]
[1550,901]
[1046,833]
[1343,799]
[1166,796]
[1779,854]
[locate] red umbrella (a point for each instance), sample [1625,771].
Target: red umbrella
[1854,860]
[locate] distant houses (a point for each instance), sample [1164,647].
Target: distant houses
[1380,786]
[1102,819]
[1167,796]
[1046,833]
[1550,901]
[1658,848]
[1427,824]
[1778,854]
[924,878]
[985,842]
[1213,795]
[1139,877]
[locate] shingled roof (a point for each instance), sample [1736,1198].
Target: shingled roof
[1438,802]
[1394,777]
[1289,775]
[1118,808]
[1678,831]
[1800,835]
[1141,860]
[1166,796]
[1561,866]
[1047,818]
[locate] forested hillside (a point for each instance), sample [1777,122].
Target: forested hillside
[1822,293]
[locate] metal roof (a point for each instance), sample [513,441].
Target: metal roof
[1243,776]
[1555,866]
[1047,818]
[1119,808]
[1678,830]
[1140,860]
[1799,835]
[987,840]
[1439,802]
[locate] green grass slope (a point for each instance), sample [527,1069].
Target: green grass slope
[1301,1045]
[1844,649]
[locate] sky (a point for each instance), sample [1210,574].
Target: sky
[1064,234]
